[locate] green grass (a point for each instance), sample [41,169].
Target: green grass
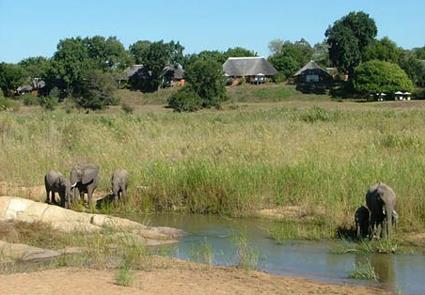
[363,271]
[124,276]
[285,230]
[234,162]
[247,256]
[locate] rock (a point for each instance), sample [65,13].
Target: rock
[18,209]
[22,252]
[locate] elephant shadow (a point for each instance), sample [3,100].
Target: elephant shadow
[105,202]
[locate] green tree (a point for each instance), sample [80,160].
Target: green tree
[11,77]
[384,49]
[97,90]
[207,81]
[139,51]
[414,68]
[107,54]
[275,46]
[213,55]
[35,67]
[239,52]
[291,57]
[380,76]
[419,53]
[347,39]
[321,54]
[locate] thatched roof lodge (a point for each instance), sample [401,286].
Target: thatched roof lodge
[255,69]
[312,73]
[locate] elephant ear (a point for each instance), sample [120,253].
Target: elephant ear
[89,175]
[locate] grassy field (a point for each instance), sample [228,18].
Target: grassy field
[268,150]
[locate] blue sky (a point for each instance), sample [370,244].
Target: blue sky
[33,27]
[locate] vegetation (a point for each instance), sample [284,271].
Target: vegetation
[380,76]
[363,271]
[233,162]
[185,100]
[348,38]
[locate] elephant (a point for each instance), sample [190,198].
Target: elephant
[119,182]
[84,179]
[55,182]
[361,218]
[381,200]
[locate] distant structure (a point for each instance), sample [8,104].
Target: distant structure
[255,70]
[313,78]
[172,75]
[37,84]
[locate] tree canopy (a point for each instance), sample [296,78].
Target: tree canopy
[11,77]
[291,56]
[380,76]
[347,39]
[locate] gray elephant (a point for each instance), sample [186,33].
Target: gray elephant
[55,182]
[119,182]
[381,200]
[361,218]
[84,179]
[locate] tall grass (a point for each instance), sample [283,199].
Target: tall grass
[232,162]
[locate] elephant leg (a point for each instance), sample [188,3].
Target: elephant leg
[54,198]
[62,197]
[47,196]
[358,231]
[90,191]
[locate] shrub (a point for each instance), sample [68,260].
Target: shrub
[380,76]
[185,100]
[49,103]
[30,100]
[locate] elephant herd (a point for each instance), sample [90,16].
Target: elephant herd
[374,220]
[83,179]
[378,217]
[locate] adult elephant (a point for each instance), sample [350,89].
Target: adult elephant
[55,182]
[119,182]
[380,200]
[84,179]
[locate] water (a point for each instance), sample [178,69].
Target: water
[315,260]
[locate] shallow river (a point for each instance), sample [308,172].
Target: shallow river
[315,260]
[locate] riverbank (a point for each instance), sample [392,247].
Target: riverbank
[169,276]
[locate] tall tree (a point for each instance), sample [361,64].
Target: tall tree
[108,54]
[11,77]
[347,39]
[275,46]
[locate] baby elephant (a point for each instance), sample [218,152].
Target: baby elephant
[55,182]
[119,182]
[361,218]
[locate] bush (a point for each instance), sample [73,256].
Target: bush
[380,76]
[185,100]
[30,100]
[8,104]
[49,103]
[207,81]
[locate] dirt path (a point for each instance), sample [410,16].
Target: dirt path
[188,279]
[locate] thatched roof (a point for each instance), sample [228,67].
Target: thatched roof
[248,66]
[130,71]
[176,71]
[311,65]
